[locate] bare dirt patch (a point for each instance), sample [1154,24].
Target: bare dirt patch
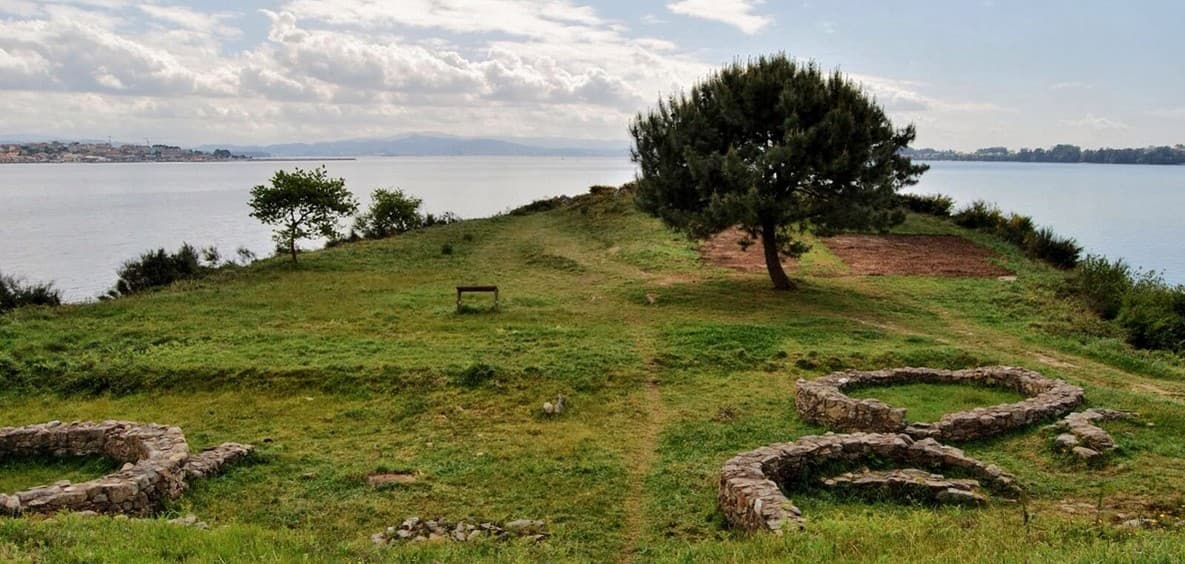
[724,250]
[381,478]
[914,255]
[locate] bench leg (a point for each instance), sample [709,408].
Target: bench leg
[495,300]
[458,301]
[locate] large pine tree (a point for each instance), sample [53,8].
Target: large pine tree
[777,147]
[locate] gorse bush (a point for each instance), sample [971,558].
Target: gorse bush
[929,204]
[1061,252]
[446,218]
[14,293]
[979,215]
[1016,229]
[159,268]
[1153,314]
[1042,244]
[1150,311]
[1102,284]
[475,375]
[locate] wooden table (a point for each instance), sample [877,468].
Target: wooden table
[463,289]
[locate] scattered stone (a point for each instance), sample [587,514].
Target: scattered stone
[822,401]
[1081,428]
[1138,523]
[156,466]
[414,530]
[555,408]
[190,520]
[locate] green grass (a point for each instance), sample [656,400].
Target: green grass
[18,474]
[355,361]
[928,402]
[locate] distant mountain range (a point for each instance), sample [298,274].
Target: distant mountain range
[433,145]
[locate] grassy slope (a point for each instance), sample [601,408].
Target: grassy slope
[345,366]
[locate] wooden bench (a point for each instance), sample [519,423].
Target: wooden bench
[463,289]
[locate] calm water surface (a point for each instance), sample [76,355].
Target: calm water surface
[75,224]
[1134,212]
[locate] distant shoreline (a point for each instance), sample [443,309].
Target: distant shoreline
[986,161]
[255,159]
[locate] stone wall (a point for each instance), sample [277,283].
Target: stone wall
[751,484]
[156,464]
[823,401]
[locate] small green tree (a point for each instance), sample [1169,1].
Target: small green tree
[391,212]
[302,204]
[776,147]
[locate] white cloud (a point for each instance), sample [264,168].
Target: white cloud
[350,68]
[490,67]
[737,13]
[204,22]
[908,97]
[1098,123]
[541,19]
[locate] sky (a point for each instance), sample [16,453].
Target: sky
[968,74]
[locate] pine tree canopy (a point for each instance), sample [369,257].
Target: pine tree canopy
[777,147]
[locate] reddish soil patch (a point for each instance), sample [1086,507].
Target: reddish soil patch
[914,255]
[724,249]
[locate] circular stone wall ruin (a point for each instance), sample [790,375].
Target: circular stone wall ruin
[157,465]
[752,484]
[751,497]
[824,402]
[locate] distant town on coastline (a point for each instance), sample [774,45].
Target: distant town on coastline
[35,149]
[76,152]
[1163,155]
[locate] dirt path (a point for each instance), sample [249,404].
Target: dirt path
[645,452]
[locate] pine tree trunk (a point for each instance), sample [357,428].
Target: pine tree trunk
[773,259]
[292,248]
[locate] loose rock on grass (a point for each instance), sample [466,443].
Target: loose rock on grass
[414,529]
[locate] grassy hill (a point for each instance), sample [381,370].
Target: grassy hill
[355,362]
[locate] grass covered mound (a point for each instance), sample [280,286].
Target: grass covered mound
[354,362]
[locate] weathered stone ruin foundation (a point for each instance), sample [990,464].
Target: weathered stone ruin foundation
[823,401]
[157,464]
[909,484]
[751,484]
[1082,437]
